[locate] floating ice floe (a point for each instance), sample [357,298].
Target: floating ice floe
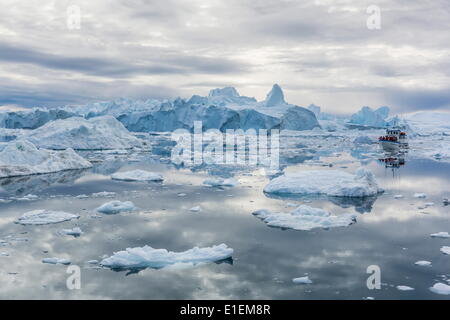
[195,209]
[21,158]
[98,133]
[440,288]
[114,207]
[327,182]
[404,288]
[398,196]
[440,235]
[423,263]
[445,250]
[221,182]
[41,217]
[137,175]
[302,280]
[305,218]
[103,194]
[76,232]
[56,261]
[148,257]
[420,195]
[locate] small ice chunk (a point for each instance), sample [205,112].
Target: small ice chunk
[40,217]
[137,175]
[148,257]
[440,288]
[102,194]
[305,218]
[423,263]
[440,235]
[4,254]
[56,261]
[404,288]
[445,250]
[302,280]
[420,195]
[221,182]
[398,196]
[76,232]
[93,262]
[195,209]
[114,207]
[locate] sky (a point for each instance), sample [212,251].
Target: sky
[318,51]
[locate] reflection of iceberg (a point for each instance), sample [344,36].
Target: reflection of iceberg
[36,183]
[362,205]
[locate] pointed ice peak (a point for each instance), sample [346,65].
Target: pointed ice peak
[275,96]
[224,92]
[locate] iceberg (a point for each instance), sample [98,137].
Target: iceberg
[32,119]
[76,232]
[148,257]
[114,207]
[404,288]
[326,182]
[440,235]
[137,175]
[305,218]
[101,133]
[21,158]
[275,97]
[445,250]
[370,118]
[42,217]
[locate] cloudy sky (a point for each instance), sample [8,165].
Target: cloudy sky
[319,51]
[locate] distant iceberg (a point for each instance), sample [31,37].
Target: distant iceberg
[148,257]
[21,158]
[327,182]
[371,118]
[78,133]
[137,175]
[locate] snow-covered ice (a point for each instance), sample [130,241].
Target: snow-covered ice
[56,261]
[420,195]
[445,250]
[440,235]
[195,209]
[137,175]
[440,288]
[404,288]
[41,217]
[305,218]
[78,133]
[20,158]
[371,118]
[423,263]
[114,207]
[148,257]
[327,182]
[302,280]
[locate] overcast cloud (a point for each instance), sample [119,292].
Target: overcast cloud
[319,51]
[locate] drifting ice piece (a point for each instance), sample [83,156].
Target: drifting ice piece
[327,182]
[305,218]
[148,257]
[39,217]
[137,175]
[114,207]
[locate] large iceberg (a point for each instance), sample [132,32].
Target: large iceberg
[21,158]
[222,109]
[305,218]
[81,134]
[148,257]
[371,118]
[326,182]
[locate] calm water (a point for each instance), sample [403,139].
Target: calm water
[390,233]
